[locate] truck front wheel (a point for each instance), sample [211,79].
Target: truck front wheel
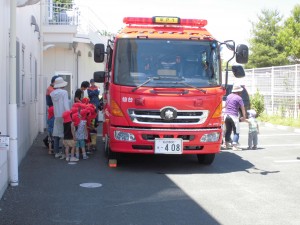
[206,159]
[108,153]
[106,146]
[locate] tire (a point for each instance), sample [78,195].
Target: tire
[106,146]
[108,153]
[206,159]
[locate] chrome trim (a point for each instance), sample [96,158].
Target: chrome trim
[167,129]
[153,116]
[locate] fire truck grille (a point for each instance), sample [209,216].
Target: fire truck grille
[155,117]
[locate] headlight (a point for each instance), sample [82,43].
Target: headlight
[124,136]
[212,137]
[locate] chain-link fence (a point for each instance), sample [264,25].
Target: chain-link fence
[279,85]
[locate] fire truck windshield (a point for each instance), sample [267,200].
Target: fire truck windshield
[171,63]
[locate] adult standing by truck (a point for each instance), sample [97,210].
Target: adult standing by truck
[79,93]
[61,104]
[234,103]
[48,140]
[93,93]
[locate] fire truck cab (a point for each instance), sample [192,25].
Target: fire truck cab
[163,88]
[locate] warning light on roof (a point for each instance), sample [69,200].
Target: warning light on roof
[193,22]
[137,20]
[165,20]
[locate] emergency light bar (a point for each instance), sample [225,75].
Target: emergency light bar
[164,20]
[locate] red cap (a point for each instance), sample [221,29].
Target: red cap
[50,112]
[83,113]
[76,119]
[67,116]
[90,105]
[85,100]
[74,110]
[77,105]
[82,105]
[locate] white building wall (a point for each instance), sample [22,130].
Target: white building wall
[34,78]
[29,71]
[87,66]
[4,43]
[26,81]
[79,62]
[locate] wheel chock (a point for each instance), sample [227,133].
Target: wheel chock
[112,163]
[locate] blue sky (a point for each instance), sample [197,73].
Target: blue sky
[227,19]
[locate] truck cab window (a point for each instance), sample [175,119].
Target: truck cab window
[167,60]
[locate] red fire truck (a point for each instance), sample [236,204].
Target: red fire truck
[163,88]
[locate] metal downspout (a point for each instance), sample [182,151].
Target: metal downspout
[12,115]
[41,97]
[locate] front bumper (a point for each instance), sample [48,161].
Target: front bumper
[145,140]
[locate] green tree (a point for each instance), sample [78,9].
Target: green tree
[63,1]
[264,49]
[289,36]
[105,33]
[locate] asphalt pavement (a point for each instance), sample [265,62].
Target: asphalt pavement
[152,190]
[49,186]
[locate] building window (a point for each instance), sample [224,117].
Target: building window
[67,77]
[31,78]
[23,75]
[18,71]
[35,80]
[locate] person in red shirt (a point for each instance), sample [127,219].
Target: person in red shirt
[49,104]
[49,90]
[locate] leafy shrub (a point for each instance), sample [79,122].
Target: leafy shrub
[257,103]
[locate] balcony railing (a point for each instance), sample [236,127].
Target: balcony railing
[62,14]
[86,21]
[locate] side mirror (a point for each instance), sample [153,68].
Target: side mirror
[99,76]
[99,53]
[242,54]
[238,71]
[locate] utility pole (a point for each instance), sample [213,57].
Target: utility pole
[12,115]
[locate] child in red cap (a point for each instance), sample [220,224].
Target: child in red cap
[81,134]
[92,129]
[50,123]
[69,137]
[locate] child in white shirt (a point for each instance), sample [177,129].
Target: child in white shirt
[253,129]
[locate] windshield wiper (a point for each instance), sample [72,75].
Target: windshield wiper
[146,82]
[186,84]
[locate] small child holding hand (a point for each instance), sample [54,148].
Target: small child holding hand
[81,134]
[253,129]
[50,123]
[69,137]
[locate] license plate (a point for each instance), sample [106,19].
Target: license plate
[168,146]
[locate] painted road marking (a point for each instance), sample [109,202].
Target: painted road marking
[90,185]
[287,161]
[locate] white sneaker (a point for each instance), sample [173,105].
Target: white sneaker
[236,148]
[57,155]
[73,159]
[228,145]
[67,159]
[62,156]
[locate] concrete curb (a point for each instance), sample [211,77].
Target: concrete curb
[280,127]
